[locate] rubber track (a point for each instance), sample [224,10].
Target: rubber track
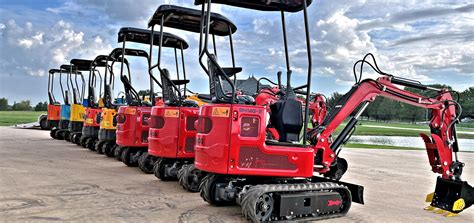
[249,199]
[183,174]
[143,163]
[205,188]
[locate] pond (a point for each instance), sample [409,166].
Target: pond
[403,141]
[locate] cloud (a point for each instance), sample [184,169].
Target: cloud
[412,38]
[29,51]
[412,15]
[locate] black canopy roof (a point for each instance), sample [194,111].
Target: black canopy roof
[81,64]
[143,36]
[67,67]
[100,61]
[263,5]
[117,53]
[53,71]
[190,20]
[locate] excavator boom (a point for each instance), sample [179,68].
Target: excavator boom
[451,194]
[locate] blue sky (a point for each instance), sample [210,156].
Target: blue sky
[430,41]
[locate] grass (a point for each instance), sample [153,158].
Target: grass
[466,126]
[9,118]
[369,146]
[412,129]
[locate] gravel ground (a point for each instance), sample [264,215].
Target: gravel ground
[42,179]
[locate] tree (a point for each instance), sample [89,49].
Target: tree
[24,105]
[4,104]
[144,93]
[41,106]
[335,97]
[467,102]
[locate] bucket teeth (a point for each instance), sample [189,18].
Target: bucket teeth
[450,214]
[429,197]
[440,211]
[429,208]
[459,205]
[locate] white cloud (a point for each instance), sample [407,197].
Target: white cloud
[410,38]
[33,52]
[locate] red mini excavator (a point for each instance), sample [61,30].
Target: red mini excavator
[275,180]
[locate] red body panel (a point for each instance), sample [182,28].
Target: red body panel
[132,126]
[54,112]
[172,132]
[91,117]
[222,147]
[236,144]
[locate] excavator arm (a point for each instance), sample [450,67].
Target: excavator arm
[451,194]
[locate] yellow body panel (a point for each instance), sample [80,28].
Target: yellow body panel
[101,102]
[107,120]
[195,98]
[77,113]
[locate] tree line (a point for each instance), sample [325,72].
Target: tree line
[24,105]
[381,109]
[384,109]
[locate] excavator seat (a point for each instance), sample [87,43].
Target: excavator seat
[231,71]
[130,92]
[180,82]
[190,103]
[287,118]
[205,97]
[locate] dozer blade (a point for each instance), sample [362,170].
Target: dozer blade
[452,196]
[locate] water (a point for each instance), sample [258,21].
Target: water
[403,141]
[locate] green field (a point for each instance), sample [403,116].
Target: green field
[369,128]
[369,146]
[9,118]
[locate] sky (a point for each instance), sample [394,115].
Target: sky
[429,41]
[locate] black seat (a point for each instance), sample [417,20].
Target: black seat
[180,82]
[130,94]
[287,118]
[231,71]
[205,97]
[287,115]
[245,99]
[217,93]
[190,104]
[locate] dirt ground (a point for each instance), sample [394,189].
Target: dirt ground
[42,179]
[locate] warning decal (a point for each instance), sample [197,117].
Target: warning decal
[130,111]
[171,113]
[220,112]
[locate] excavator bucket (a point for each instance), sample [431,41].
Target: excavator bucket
[451,197]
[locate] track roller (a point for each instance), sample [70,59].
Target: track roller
[146,163]
[60,134]
[67,136]
[83,141]
[161,169]
[208,190]
[109,148]
[189,177]
[118,153]
[127,157]
[90,144]
[52,133]
[99,146]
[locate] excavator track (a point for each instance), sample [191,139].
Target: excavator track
[311,201]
